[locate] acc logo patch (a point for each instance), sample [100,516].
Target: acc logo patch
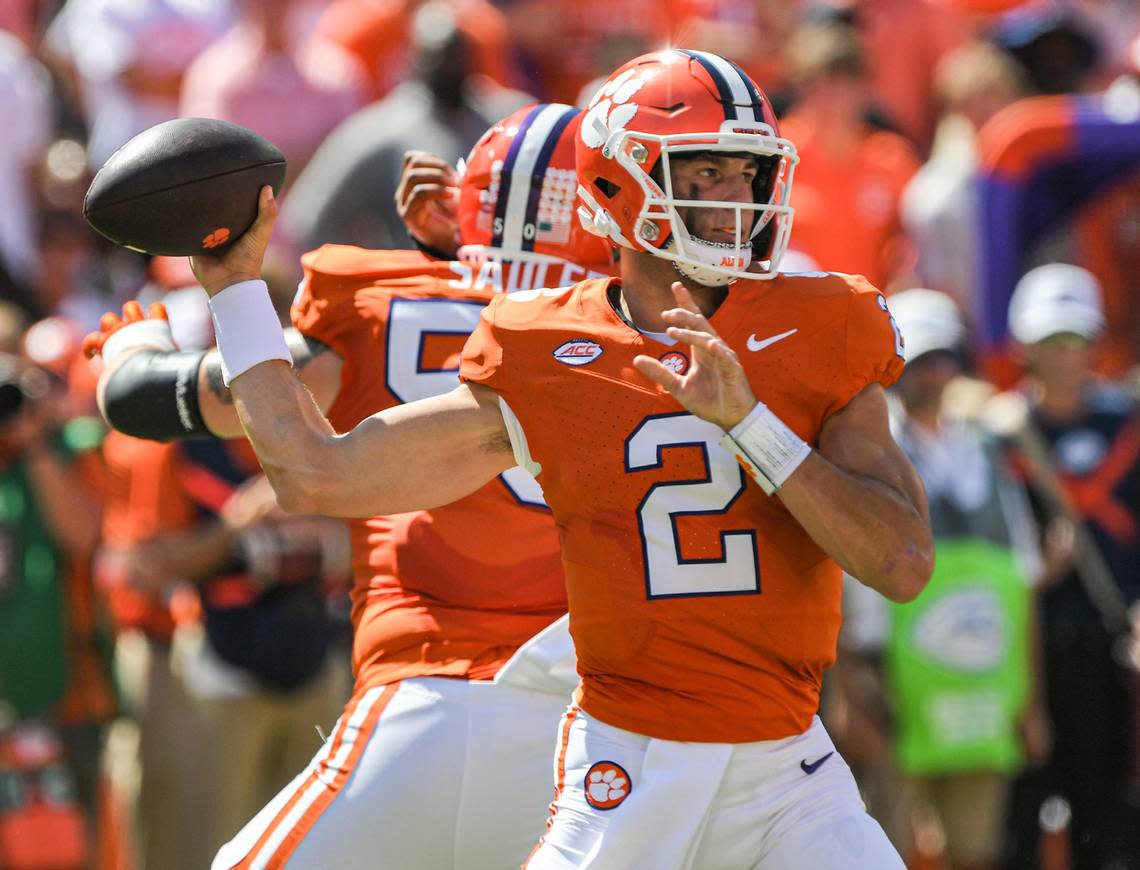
[607,785]
[675,361]
[578,352]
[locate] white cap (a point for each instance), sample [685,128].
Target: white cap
[928,321]
[1053,299]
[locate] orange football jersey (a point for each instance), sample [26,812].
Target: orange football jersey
[454,590]
[700,609]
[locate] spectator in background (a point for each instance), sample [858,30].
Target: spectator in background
[1077,443]
[1107,238]
[904,41]
[592,37]
[850,176]
[293,94]
[53,346]
[346,193]
[242,670]
[1056,46]
[25,97]
[378,33]
[961,661]
[938,206]
[128,57]
[225,707]
[49,521]
[159,784]
[255,667]
[73,277]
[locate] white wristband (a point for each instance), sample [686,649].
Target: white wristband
[766,447]
[246,328]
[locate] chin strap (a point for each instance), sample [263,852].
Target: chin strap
[700,250]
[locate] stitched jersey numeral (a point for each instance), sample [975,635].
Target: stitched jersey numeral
[410,322]
[668,574]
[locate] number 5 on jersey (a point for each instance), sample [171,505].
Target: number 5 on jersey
[410,321]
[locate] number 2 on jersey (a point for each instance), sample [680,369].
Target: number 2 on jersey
[668,573]
[409,322]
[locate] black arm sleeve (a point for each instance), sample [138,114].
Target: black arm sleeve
[154,395]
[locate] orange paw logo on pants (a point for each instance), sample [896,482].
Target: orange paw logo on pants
[607,785]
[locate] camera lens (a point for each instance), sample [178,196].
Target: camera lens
[11,399]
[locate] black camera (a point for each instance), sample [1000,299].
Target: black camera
[11,400]
[19,384]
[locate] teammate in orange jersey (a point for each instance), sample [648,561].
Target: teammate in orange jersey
[442,756]
[703,609]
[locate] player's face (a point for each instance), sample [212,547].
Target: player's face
[714,177]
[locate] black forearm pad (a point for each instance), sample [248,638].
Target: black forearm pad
[153,394]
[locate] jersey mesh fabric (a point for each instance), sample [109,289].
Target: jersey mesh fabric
[455,590]
[700,609]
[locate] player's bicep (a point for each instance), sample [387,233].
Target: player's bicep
[315,363]
[423,454]
[858,440]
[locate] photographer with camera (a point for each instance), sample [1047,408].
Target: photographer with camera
[54,694]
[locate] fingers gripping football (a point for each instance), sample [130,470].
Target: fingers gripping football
[242,260]
[715,387]
[116,335]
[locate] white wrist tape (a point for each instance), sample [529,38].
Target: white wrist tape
[142,333]
[246,328]
[766,447]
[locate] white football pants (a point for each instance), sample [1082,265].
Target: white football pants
[430,773]
[629,802]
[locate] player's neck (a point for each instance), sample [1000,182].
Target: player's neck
[646,291]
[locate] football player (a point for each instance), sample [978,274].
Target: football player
[703,530]
[442,756]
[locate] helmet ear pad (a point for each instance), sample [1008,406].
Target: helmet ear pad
[762,187]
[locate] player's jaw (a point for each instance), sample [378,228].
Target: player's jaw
[715,225]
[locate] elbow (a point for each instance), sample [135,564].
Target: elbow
[908,574]
[295,494]
[324,484]
[296,499]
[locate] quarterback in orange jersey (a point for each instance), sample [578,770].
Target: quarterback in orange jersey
[442,757]
[714,449]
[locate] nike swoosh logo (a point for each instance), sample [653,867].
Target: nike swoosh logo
[815,765]
[755,343]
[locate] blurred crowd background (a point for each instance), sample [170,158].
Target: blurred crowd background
[168,638]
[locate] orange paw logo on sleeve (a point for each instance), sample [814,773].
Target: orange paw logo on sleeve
[218,237]
[607,785]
